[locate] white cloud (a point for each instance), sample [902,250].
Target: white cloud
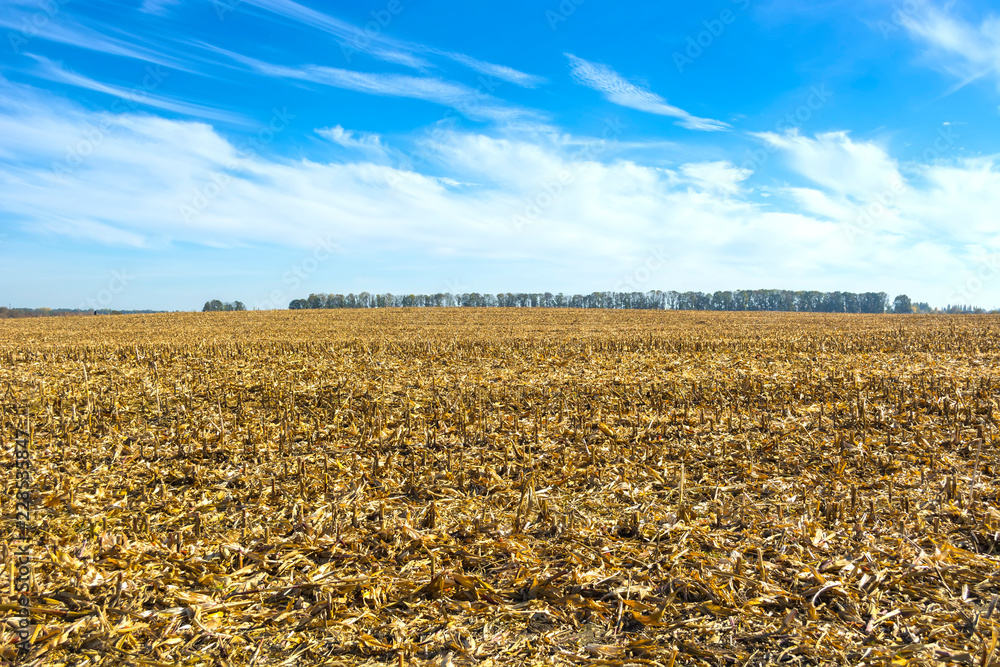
[959,47]
[718,176]
[619,91]
[929,221]
[834,161]
[594,217]
[352,139]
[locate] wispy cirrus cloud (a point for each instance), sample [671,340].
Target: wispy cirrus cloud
[959,47]
[140,94]
[472,103]
[351,36]
[502,72]
[157,6]
[69,30]
[618,90]
[380,46]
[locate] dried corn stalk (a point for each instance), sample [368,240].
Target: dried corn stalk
[457,487]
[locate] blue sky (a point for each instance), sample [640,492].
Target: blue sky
[160,153]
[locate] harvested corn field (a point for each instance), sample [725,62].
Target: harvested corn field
[505,487]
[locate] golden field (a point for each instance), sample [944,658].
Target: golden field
[494,487]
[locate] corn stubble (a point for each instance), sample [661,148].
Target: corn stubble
[485,487]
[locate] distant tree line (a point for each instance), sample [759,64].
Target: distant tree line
[14,313]
[954,310]
[216,306]
[738,300]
